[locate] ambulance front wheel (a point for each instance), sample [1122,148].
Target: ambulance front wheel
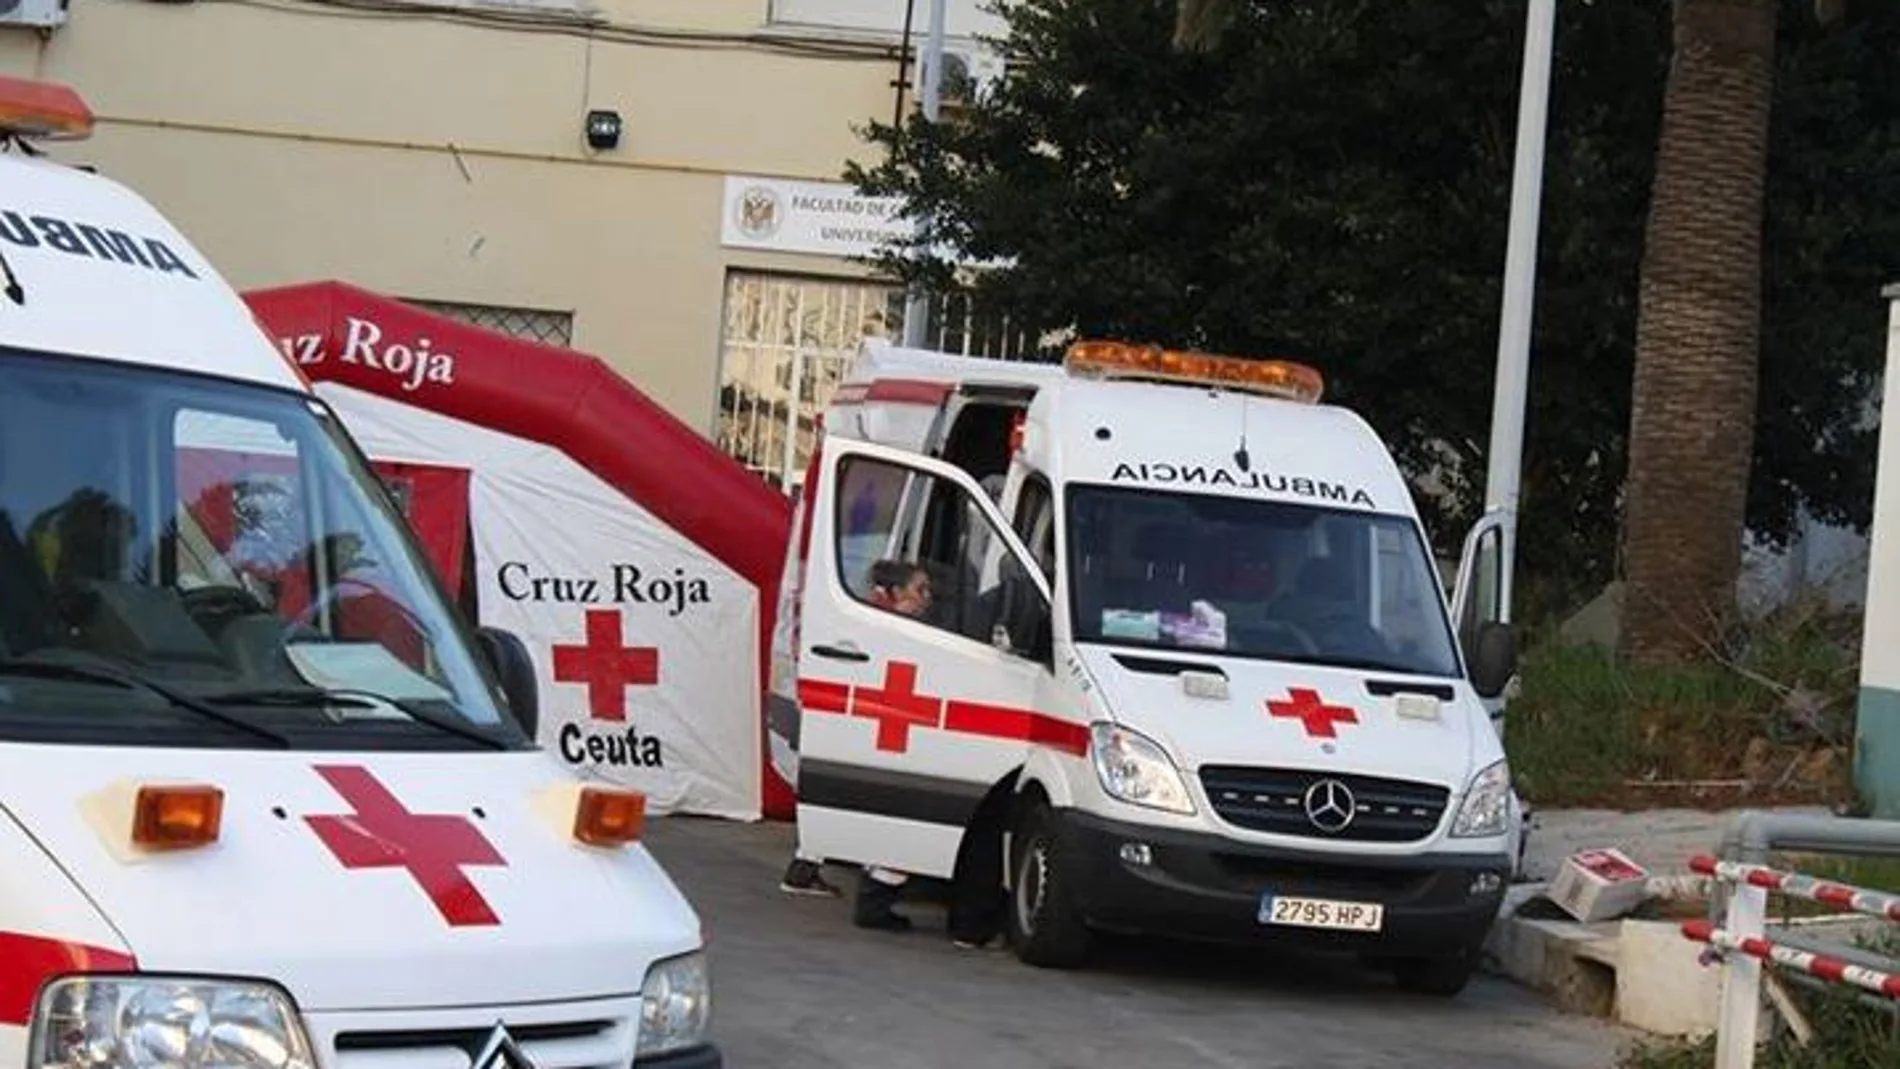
[1045,923]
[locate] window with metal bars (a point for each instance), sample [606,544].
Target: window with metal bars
[531,324]
[786,344]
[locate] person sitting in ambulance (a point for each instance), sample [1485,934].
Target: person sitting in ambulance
[901,587]
[1325,606]
[85,539]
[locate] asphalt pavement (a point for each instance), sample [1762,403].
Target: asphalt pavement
[797,987]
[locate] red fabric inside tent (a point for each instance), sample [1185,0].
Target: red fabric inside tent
[570,400]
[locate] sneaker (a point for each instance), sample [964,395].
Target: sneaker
[805,878]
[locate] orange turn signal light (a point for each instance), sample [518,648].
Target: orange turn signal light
[607,816]
[177,818]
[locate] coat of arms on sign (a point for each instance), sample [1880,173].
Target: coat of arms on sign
[758,212]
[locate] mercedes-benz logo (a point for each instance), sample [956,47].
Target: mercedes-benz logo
[1330,805]
[500,1052]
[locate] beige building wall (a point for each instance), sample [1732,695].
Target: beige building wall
[430,159]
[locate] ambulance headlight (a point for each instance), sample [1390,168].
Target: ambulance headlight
[675,1005]
[165,1023]
[1487,805]
[1135,769]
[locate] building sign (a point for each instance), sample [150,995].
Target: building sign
[816,218]
[962,18]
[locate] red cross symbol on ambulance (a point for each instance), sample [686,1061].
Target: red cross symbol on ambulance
[1311,710]
[433,848]
[607,665]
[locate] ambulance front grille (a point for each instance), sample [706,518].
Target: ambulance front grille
[1274,800]
[584,1044]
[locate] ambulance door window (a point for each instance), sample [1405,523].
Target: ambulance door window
[1035,522]
[941,564]
[873,503]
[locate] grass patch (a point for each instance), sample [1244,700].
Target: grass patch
[1847,1035]
[1868,873]
[1767,721]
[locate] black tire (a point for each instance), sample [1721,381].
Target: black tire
[1444,976]
[1045,924]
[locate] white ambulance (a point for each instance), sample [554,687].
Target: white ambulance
[264,799]
[1190,672]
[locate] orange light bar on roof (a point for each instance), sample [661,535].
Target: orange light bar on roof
[1277,378]
[44,110]
[177,817]
[609,816]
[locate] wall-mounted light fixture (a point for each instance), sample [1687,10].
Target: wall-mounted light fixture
[603,129]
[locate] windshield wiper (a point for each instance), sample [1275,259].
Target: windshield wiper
[76,673]
[311,697]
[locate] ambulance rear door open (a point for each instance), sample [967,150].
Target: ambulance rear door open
[907,722]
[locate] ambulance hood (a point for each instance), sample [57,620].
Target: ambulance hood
[1277,714]
[499,904]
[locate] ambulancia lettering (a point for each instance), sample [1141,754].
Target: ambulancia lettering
[91,241]
[1213,475]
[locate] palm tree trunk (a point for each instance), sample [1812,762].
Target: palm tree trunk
[1199,24]
[1698,331]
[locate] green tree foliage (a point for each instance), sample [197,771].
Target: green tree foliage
[1833,241]
[1332,182]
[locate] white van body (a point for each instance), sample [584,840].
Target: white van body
[1197,743]
[232,830]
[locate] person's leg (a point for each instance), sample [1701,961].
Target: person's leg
[878,891]
[978,903]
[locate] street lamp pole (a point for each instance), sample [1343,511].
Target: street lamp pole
[1506,460]
[917,309]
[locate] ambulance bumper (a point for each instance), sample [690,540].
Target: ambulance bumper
[1206,887]
[706,1057]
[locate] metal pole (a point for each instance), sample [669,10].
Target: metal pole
[1520,281]
[917,310]
[1739,1019]
[904,59]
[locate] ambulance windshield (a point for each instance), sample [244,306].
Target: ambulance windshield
[1255,578]
[215,548]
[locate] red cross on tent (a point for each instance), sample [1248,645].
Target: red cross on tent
[1313,713]
[607,665]
[382,833]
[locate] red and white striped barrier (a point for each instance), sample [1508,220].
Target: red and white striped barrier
[1794,884]
[1827,968]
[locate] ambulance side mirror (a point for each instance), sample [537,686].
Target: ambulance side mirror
[514,670]
[1493,658]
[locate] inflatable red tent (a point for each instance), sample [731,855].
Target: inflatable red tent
[637,561]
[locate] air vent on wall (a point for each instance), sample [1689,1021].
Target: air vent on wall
[35,14]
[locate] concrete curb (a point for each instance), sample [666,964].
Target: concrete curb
[1641,973]
[1573,964]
